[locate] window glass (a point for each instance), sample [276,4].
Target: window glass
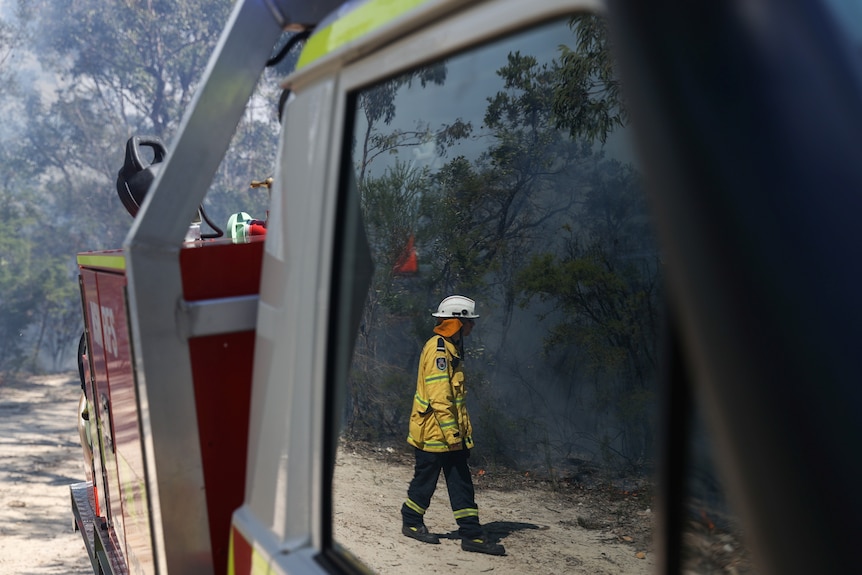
[848,15]
[505,175]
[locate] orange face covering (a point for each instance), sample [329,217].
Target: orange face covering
[448,327]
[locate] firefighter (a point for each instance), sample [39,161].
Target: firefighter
[440,431]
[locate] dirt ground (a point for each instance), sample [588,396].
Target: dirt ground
[40,456]
[544,531]
[563,528]
[583,523]
[579,527]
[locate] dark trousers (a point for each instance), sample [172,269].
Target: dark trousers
[458,482]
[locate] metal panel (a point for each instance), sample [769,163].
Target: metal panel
[749,119]
[292,317]
[475,23]
[102,549]
[472,26]
[84,513]
[284,503]
[213,316]
[102,291]
[92,320]
[163,370]
[132,521]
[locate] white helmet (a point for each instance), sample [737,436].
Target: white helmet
[457,306]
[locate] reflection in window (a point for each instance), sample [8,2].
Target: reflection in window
[504,174]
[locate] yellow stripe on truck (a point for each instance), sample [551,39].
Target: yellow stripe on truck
[355,24]
[231,567]
[108,260]
[259,564]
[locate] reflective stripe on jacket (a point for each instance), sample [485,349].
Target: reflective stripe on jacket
[439,419]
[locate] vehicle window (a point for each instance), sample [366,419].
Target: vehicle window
[503,175]
[848,16]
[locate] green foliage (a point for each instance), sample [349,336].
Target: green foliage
[607,327]
[485,223]
[382,382]
[587,97]
[251,156]
[135,63]
[10,38]
[484,215]
[605,288]
[390,200]
[39,300]
[16,299]
[120,69]
[390,206]
[57,315]
[107,70]
[377,104]
[379,399]
[459,251]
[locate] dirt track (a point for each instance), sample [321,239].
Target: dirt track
[544,531]
[40,456]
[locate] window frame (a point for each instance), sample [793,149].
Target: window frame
[457,33]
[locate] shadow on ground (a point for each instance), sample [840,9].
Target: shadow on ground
[498,530]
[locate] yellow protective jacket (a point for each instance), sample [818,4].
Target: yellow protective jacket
[439,420]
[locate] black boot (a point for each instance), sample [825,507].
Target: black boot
[420,533]
[482,545]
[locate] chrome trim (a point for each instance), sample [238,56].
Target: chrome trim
[168,418]
[215,316]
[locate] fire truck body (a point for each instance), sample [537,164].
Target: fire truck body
[158,382]
[220,284]
[314,267]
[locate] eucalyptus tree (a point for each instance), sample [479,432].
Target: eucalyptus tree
[538,214]
[118,69]
[604,287]
[485,191]
[130,68]
[8,38]
[17,211]
[107,70]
